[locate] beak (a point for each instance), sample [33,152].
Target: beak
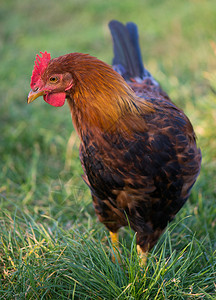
[34,95]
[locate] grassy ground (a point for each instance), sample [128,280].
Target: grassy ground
[51,245]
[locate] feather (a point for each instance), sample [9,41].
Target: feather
[127,59]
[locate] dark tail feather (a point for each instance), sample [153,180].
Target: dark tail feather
[134,37]
[127,55]
[125,58]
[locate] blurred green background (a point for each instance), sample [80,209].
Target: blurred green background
[39,165]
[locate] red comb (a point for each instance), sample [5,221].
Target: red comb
[41,64]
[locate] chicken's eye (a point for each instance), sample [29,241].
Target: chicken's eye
[53,79]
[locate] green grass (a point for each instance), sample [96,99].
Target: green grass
[51,244]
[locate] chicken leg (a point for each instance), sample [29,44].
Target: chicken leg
[143,256]
[115,245]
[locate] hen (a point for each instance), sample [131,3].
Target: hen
[138,150]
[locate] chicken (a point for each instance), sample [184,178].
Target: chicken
[138,149]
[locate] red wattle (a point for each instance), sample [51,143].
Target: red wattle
[55,99]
